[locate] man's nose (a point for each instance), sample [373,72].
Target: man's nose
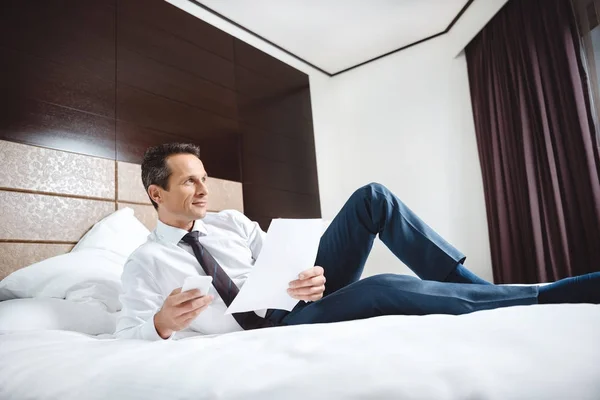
[201,189]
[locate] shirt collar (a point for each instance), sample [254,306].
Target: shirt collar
[171,234]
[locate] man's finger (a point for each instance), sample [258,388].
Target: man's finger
[175,291]
[195,303]
[309,273]
[190,316]
[315,297]
[314,281]
[192,305]
[185,296]
[188,311]
[306,291]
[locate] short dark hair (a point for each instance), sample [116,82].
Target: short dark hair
[154,165]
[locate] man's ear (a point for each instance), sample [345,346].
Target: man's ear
[155,193]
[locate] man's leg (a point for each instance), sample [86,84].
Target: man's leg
[577,289]
[393,294]
[372,210]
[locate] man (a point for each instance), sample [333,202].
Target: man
[189,242]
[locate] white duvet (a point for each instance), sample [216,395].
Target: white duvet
[535,352]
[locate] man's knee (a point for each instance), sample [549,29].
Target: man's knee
[375,198]
[371,190]
[377,187]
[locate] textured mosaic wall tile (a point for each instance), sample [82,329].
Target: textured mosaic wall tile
[25,216]
[35,168]
[14,256]
[130,185]
[146,214]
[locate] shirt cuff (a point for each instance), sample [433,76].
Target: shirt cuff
[149,331]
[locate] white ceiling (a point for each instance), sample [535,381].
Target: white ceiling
[338,34]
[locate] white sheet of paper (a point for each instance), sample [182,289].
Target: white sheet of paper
[290,247]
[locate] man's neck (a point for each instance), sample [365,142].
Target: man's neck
[176,223]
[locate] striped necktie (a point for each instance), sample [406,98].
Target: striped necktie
[223,284]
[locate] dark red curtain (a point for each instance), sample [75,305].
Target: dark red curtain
[536,141]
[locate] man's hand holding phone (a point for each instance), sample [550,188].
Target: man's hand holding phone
[183,305]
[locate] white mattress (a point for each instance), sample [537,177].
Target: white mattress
[535,352]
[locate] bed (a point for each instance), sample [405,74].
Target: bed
[59,304]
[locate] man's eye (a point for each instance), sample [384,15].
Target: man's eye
[190,180]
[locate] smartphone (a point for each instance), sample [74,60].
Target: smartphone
[197,282]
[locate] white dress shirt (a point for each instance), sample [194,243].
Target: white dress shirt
[161,264]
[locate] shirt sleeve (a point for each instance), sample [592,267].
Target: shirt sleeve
[141,300]
[251,230]
[256,238]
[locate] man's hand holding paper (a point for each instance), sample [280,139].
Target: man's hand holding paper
[290,250]
[309,286]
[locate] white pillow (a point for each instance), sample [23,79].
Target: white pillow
[120,232]
[86,276]
[35,314]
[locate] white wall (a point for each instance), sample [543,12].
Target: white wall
[404,121]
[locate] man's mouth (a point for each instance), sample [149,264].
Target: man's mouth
[200,203]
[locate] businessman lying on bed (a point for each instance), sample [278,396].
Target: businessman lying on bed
[187,241]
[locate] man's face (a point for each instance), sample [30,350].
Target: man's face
[186,199]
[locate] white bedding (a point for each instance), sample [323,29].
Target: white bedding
[535,352]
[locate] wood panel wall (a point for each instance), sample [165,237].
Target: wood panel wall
[109,78]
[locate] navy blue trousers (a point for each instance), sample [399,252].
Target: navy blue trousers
[343,250]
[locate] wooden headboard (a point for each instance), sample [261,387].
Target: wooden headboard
[51,198]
